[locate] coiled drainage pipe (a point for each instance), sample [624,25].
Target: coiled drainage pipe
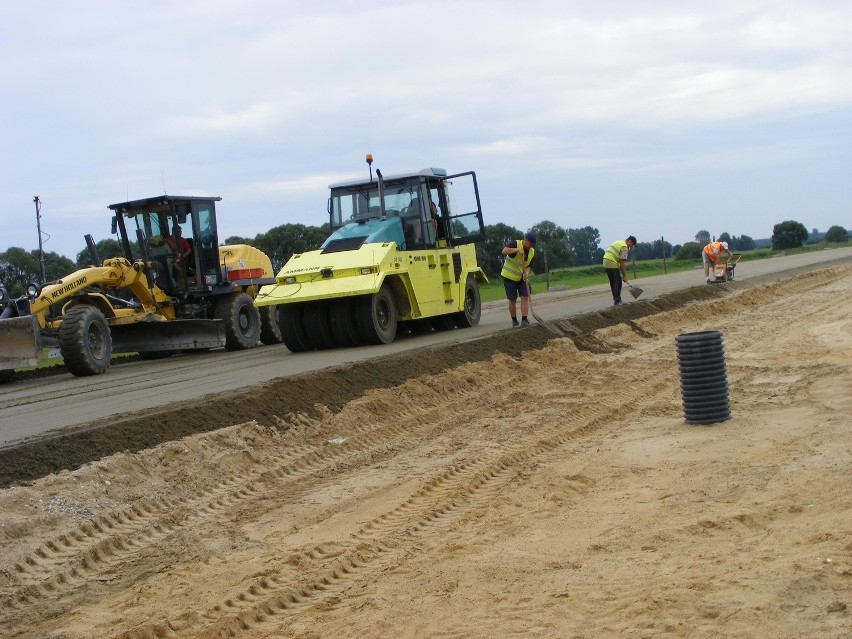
[703,379]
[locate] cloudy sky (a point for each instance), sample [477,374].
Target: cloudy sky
[650,118]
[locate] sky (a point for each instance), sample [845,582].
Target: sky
[651,118]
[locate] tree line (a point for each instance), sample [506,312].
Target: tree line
[558,247]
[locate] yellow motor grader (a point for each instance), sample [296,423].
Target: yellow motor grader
[401,254]
[174,289]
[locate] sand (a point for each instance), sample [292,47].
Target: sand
[558,493]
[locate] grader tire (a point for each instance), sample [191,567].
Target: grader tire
[241,320]
[472,311]
[270,325]
[376,316]
[85,341]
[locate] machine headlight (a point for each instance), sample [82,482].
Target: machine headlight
[290,280]
[33,290]
[367,270]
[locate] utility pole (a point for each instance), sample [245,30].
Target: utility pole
[663,249]
[40,247]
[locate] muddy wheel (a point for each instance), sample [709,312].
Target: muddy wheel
[85,341]
[472,305]
[270,325]
[376,316]
[241,320]
[293,328]
[318,325]
[342,318]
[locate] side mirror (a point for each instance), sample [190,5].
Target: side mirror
[114,227]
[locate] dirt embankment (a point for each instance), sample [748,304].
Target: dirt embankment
[331,389]
[548,488]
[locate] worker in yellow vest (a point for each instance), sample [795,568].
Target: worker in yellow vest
[615,265]
[516,269]
[711,253]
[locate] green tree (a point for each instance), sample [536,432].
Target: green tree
[553,240]
[789,234]
[742,243]
[489,253]
[19,267]
[106,249]
[836,234]
[281,242]
[661,248]
[583,244]
[702,238]
[644,251]
[689,251]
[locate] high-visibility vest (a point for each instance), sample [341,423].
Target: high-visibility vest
[711,253]
[613,253]
[513,268]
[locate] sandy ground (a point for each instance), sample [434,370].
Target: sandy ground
[555,494]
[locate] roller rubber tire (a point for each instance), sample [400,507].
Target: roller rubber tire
[293,328]
[270,325]
[376,316]
[318,326]
[343,327]
[472,312]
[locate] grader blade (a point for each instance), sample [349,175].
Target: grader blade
[175,335]
[19,342]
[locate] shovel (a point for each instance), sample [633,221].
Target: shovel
[549,327]
[635,291]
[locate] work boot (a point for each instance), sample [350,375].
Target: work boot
[525,322]
[515,322]
[708,280]
[617,303]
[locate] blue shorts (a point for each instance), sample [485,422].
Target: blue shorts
[513,289]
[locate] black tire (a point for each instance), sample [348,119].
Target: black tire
[85,341]
[293,328]
[376,316]
[318,325]
[342,318]
[472,305]
[241,320]
[270,325]
[6,376]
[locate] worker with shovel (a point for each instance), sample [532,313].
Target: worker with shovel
[615,265]
[516,268]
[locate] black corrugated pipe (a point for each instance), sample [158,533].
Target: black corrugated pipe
[703,379]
